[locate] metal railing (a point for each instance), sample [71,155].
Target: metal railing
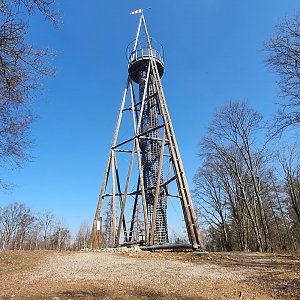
[145,53]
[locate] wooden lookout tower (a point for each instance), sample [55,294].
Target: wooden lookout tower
[144,171]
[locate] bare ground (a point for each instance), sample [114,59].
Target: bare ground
[147,275]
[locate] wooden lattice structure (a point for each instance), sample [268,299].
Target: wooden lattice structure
[155,165]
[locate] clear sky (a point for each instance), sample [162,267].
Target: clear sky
[212,55]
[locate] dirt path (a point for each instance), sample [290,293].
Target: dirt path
[103,275]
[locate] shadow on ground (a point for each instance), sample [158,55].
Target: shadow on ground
[100,294]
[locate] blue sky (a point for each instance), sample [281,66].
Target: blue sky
[212,55]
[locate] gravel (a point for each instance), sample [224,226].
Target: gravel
[124,269]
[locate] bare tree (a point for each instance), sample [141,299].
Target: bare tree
[15,220]
[284,58]
[212,200]
[290,163]
[83,236]
[26,224]
[22,67]
[43,6]
[279,196]
[138,231]
[231,143]
[20,229]
[46,223]
[107,239]
[61,237]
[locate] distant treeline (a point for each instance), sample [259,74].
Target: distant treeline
[21,229]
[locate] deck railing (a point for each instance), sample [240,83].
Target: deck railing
[145,53]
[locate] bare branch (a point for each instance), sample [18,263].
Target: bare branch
[283,52]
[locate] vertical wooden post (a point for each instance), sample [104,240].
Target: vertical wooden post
[113,189]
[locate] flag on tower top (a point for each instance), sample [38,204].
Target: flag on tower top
[138,11]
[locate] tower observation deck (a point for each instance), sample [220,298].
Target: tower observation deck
[138,60]
[155,166]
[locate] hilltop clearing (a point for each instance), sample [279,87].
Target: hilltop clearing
[148,275]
